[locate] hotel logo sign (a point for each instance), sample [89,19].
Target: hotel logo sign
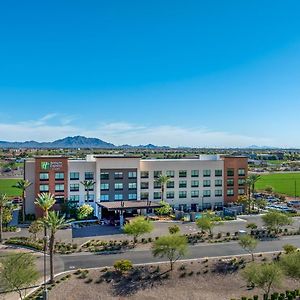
[51,165]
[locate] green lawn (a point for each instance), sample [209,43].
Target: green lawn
[283,183]
[6,187]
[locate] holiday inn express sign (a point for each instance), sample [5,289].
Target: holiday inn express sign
[51,165]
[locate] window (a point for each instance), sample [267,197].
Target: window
[218,205]
[132,175]
[44,176]
[182,173]
[195,173]
[170,184]
[144,196]
[218,173]
[104,175]
[74,198]
[194,194]
[241,172]
[170,174]
[118,197]
[59,188]
[206,173]
[104,198]
[182,194]
[157,185]
[132,185]
[230,182]
[241,191]
[118,175]
[104,186]
[91,188]
[118,186]
[44,188]
[218,193]
[241,182]
[144,174]
[144,185]
[230,192]
[59,176]
[230,172]
[206,205]
[206,183]
[218,182]
[206,193]
[156,174]
[74,175]
[170,195]
[88,175]
[59,199]
[91,197]
[195,183]
[182,184]
[132,196]
[74,187]
[157,195]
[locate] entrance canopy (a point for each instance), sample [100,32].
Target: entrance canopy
[124,205]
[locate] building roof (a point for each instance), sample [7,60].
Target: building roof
[117,156]
[123,205]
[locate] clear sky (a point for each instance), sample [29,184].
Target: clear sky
[180,73]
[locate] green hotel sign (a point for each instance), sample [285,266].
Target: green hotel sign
[45,165]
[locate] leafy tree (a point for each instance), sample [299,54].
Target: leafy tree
[174,229]
[54,222]
[264,276]
[84,211]
[35,227]
[123,265]
[23,185]
[173,247]
[274,220]
[162,180]
[205,224]
[18,272]
[248,243]
[290,264]
[7,215]
[269,189]
[88,185]
[137,227]
[164,210]
[4,203]
[245,201]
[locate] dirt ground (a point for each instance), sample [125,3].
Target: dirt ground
[201,281]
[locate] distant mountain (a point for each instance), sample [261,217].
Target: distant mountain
[72,142]
[260,147]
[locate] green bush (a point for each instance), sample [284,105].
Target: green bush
[123,265]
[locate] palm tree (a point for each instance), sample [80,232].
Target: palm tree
[250,182]
[4,202]
[88,185]
[162,180]
[54,222]
[45,201]
[23,185]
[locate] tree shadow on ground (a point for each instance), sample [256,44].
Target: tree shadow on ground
[137,279]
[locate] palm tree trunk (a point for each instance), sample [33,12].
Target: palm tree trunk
[162,192]
[51,250]
[23,206]
[1,229]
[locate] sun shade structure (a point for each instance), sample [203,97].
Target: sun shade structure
[124,205]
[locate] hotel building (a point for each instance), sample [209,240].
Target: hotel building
[211,181]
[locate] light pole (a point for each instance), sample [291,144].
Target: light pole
[45,292]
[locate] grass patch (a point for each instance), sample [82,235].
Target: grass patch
[283,183]
[6,187]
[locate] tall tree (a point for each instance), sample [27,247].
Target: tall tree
[163,180]
[54,222]
[23,185]
[4,202]
[205,224]
[88,185]
[248,243]
[172,246]
[18,272]
[250,182]
[274,220]
[45,201]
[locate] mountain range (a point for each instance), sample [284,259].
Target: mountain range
[73,142]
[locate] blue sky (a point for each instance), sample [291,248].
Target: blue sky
[182,73]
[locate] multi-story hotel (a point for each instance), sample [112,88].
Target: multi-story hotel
[211,181]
